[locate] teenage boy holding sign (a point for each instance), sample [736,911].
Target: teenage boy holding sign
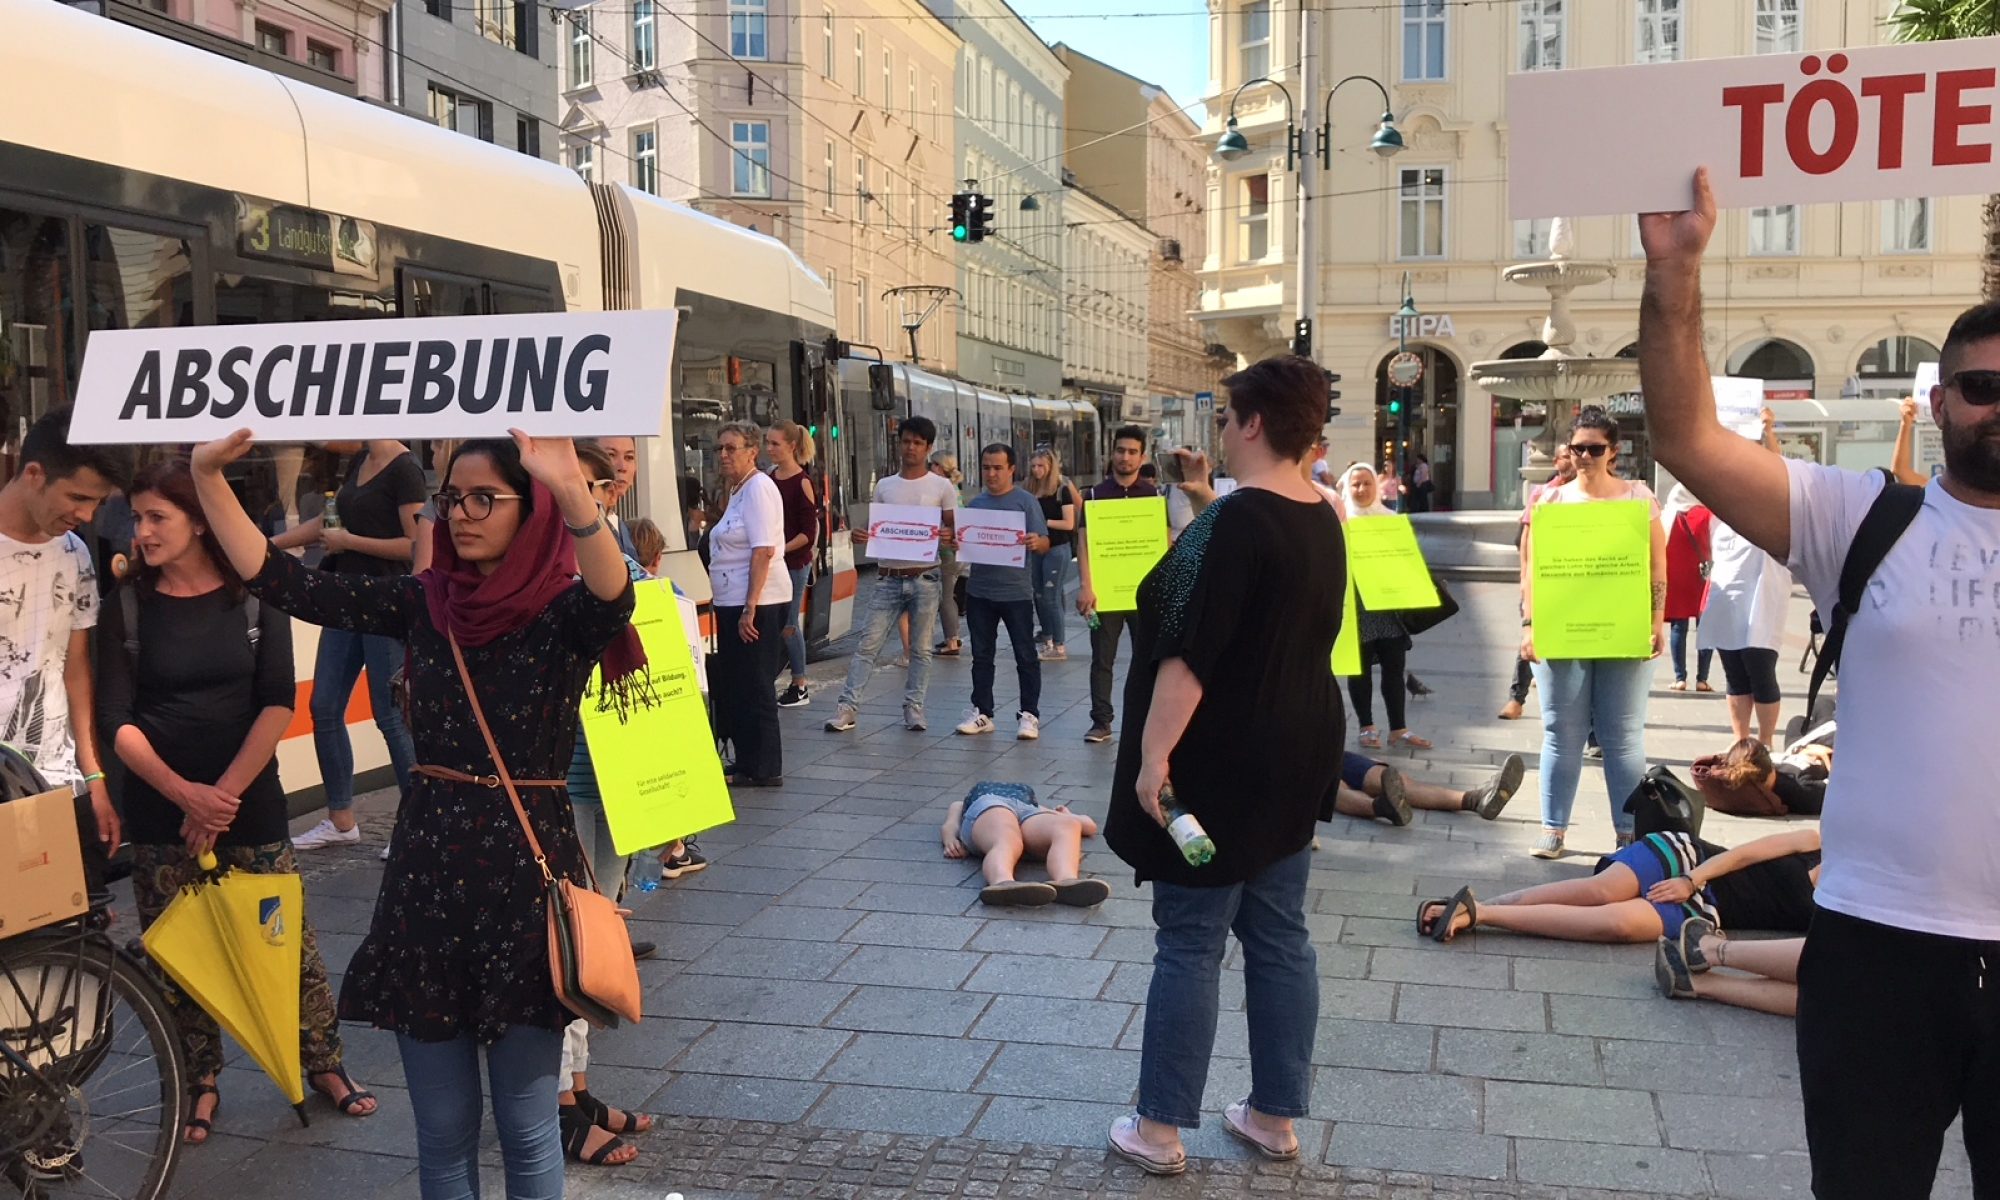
[1002,591]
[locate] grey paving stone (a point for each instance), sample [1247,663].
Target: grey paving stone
[777,858]
[1569,1113]
[1379,1045]
[1771,1070]
[1390,1098]
[736,1097]
[1071,1072]
[1510,1054]
[774,1051]
[1733,1123]
[1397,932]
[1067,1022]
[1040,975]
[310,1172]
[909,1010]
[786,920]
[771,958]
[882,870]
[1605,1017]
[1127,945]
[923,898]
[1629,981]
[908,929]
[908,1060]
[678,941]
[649,1045]
[1761,1176]
[1356,999]
[679,905]
[821,892]
[1048,1122]
[1437,965]
[897,1110]
[1594,1165]
[763,881]
[1129,982]
[1474,1008]
[762,1001]
[1404,1148]
[902,966]
[1380,905]
[1019,933]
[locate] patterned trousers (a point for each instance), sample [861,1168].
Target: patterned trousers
[158,875]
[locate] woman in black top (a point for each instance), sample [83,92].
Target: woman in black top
[790,448]
[1231,682]
[196,687]
[377,509]
[1061,506]
[457,960]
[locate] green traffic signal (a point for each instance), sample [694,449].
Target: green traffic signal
[960,233]
[1395,407]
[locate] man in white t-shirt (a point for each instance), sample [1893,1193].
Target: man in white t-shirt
[1899,984]
[901,587]
[48,606]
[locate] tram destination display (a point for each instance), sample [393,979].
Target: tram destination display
[577,374]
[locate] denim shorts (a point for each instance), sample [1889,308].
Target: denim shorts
[1017,798]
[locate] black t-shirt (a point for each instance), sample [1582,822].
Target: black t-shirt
[1249,598]
[1804,792]
[374,509]
[197,689]
[1776,895]
[1052,506]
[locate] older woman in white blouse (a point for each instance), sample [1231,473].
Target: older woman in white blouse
[752,598]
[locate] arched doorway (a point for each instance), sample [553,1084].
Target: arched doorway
[1429,414]
[1888,369]
[1785,367]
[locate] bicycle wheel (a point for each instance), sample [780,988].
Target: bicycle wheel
[91,1073]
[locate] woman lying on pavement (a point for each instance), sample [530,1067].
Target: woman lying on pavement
[1002,822]
[1370,789]
[1648,889]
[1763,973]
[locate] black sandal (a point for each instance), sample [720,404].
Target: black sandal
[600,1115]
[1462,900]
[1424,929]
[354,1097]
[204,1125]
[576,1127]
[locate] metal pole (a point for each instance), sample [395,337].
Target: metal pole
[1308,282]
[1402,433]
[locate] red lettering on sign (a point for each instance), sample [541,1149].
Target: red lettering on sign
[1953,115]
[1753,99]
[1846,120]
[1893,93]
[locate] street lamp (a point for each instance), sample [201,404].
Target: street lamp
[1405,316]
[1387,142]
[1232,145]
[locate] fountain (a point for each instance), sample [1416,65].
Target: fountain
[1557,380]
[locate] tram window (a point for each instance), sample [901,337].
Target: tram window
[37,352]
[137,280]
[518,300]
[431,296]
[251,300]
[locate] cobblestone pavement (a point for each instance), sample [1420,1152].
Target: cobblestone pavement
[833,1013]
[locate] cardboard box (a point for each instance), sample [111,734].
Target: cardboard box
[41,862]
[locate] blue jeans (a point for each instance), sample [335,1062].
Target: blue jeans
[1050,572]
[795,638]
[888,599]
[341,656]
[982,620]
[1677,645]
[1579,696]
[444,1092]
[593,833]
[1281,992]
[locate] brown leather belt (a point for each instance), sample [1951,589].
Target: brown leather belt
[490,781]
[904,572]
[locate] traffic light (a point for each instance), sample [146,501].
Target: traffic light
[1302,337]
[1332,394]
[1396,403]
[982,217]
[961,210]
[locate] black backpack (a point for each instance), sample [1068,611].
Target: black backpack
[1887,518]
[1663,804]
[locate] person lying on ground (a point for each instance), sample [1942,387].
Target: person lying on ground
[1749,781]
[1002,822]
[1646,890]
[1762,974]
[1375,790]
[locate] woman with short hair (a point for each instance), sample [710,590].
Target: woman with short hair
[752,594]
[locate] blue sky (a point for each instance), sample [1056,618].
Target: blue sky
[1171,51]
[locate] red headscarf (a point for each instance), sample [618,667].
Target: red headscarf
[537,567]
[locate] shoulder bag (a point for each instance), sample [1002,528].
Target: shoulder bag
[590,949]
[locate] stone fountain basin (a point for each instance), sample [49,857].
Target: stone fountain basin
[1549,379]
[1560,273]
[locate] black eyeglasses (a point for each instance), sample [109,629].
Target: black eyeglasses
[1978,388]
[477,506]
[1590,449]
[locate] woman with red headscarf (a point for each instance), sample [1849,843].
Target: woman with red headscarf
[457,956]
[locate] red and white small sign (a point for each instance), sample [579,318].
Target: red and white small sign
[992,537]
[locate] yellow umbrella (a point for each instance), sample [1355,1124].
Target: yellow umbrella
[232,941]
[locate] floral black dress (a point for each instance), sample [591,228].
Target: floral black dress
[459,940]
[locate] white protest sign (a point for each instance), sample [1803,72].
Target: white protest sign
[1874,123]
[904,532]
[1927,378]
[577,374]
[991,537]
[1927,452]
[1739,405]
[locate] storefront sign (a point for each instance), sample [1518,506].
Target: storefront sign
[583,374]
[1423,325]
[1873,123]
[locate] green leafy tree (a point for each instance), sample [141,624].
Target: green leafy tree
[1942,20]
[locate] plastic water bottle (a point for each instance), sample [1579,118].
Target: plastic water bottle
[332,518]
[1090,619]
[1196,846]
[647,885]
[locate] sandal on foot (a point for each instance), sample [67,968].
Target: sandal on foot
[1703,685]
[1128,1144]
[1236,1119]
[1411,740]
[600,1115]
[1371,739]
[1425,919]
[1678,685]
[354,1098]
[1393,805]
[202,1125]
[577,1128]
[1017,893]
[1463,902]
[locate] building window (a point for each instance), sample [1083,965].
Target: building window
[1531,238]
[499,21]
[1539,35]
[860,62]
[1422,213]
[645,49]
[1906,226]
[888,79]
[1253,44]
[582,49]
[860,189]
[1780,27]
[826,44]
[751,140]
[1659,31]
[861,307]
[1774,230]
[583,160]
[645,162]
[936,116]
[326,58]
[273,40]
[452,111]
[528,136]
[913,98]
[1253,223]
[1423,39]
[832,188]
[438,8]
[746,28]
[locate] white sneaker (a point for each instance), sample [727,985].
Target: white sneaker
[385,853]
[976,722]
[325,834]
[843,718]
[1030,728]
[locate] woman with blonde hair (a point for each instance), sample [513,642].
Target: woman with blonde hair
[1061,506]
[790,448]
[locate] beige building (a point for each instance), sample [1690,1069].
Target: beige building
[1821,302]
[826,124]
[1106,296]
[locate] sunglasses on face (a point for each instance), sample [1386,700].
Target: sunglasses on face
[1589,449]
[1980,389]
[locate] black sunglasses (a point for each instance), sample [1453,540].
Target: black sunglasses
[1589,449]
[1978,388]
